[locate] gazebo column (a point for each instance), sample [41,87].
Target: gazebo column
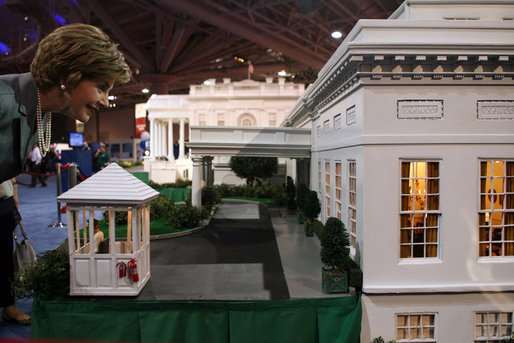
[153,139]
[196,187]
[157,139]
[182,139]
[171,156]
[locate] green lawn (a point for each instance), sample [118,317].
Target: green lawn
[157,227]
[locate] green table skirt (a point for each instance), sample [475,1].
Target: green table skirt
[327,320]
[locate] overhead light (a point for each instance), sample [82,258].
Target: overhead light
[282,73]
[111,97]
[337,34]
[145,90]
[207,82]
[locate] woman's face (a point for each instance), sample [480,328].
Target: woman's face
[86,99]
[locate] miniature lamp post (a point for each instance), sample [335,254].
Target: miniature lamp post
[114,265]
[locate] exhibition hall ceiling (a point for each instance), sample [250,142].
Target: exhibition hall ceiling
[171,44]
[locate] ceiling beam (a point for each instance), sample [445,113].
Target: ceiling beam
[110,23]
[245,29]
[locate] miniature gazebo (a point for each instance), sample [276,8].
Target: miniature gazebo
[111,265]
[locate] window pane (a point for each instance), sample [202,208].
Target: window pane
[405,220]
[402,334]
[402,320]
[405,251]
[484,234]
[433,169]
[484,249]
[419,202]
[431,250]
[406,236]
[406,203]
[415,333]
[433,202]
[431,235]
[428,333]
[418,251]
[428,320]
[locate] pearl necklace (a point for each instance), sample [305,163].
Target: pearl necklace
[44,138]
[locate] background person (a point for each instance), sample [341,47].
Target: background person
[72,73]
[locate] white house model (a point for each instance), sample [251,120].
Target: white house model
[109,266]
[412,124]
[247,103]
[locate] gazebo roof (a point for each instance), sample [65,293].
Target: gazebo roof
[111,185]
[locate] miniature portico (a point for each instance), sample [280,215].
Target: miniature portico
[95,263]
[244,141]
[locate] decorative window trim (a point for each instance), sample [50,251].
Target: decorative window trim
[420,109]
[495,223]
[337,121]
[328,186]
[338,187]
[352,203]
[326,126]
[350,116]
[416,323]
[420,204]
[499,322]
[495,109]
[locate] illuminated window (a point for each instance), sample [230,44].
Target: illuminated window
[352,203]
[419,216]
[493,326]
[338,185]
[496,214]
[327,188]
[415,327]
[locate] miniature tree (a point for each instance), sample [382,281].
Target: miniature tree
[312,206]
[335,243]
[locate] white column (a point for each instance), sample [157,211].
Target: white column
[162,145]
[182,138]
[157,139]
[153,139]
[171,157]
[196,187]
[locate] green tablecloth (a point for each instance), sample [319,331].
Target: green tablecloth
[327,320]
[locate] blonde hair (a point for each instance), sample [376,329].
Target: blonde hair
[77,52]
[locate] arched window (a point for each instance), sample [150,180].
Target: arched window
[246,119]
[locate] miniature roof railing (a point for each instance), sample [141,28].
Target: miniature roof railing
[111,185]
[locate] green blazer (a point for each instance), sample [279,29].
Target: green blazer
[18,101]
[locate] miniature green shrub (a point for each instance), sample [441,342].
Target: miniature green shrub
[47,279]
[312,206]
[335,243]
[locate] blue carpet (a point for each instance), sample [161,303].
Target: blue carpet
[38,208]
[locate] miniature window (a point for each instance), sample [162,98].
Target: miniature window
[337,121]
[496,214]
[221,119]
[352,203]
[319,178]
[318,130]
[327,188]
[272,119]
[201,119]
[415,327]
[326,126]
[246,120]
[419,215]
[338,186]
[350,115]
[84,220]
[493,326]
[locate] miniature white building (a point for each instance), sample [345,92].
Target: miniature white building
[95,269]
[413,148]
[245,103]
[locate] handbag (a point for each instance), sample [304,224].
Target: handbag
[24,253]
